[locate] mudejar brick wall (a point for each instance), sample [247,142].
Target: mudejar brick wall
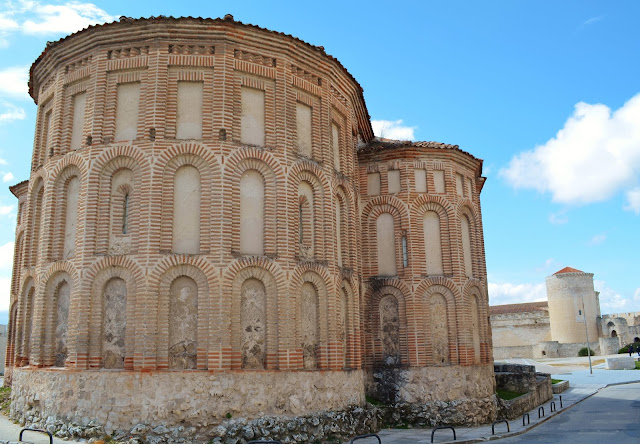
[203,208]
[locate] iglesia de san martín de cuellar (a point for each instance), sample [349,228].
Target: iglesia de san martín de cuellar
[212,237]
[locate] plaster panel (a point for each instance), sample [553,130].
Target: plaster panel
[189,118]
[127,108]
[252,119]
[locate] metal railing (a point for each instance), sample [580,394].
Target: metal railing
[528,419]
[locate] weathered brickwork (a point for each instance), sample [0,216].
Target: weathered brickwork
[254,242]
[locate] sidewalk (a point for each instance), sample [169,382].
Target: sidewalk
[582,385]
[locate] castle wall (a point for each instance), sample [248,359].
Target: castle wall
[570,297]
[520,329]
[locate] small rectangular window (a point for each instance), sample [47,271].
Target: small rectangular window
[421,180]
[459,184]
[438,181]
[79,104]
[303,124]
[393,181]
[189,118]
[252,120]
[127,108]
[373,184]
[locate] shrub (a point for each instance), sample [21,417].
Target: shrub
[625,349]
[583,352]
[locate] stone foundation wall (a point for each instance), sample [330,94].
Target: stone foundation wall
[430,395]
[117,400]
[521,378]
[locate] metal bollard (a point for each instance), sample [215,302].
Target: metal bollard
[540,408]
[493,431]
[528,419]
[37,431]
[560,400]
[443,427]
[370,435]
[552,406]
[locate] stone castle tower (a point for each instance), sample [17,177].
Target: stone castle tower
[572,302]
[211,229]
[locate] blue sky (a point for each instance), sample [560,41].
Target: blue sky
[546,92]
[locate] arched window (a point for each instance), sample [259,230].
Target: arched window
[36,211]
[183,325]
[61,306]
[386,245]
[27,323]
[475,329]
[466,245]
[252,213]
[439,329]
[614,334]
[390,330]
[432,244]
[253,306]
[306,221]
[343,324]
[309,317]
[186,210]
[114,315]
[120,210]
[342,231]
[72,188]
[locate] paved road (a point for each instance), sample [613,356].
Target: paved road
[610,416]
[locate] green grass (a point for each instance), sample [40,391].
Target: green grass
[555,381]
[507,394]
[372,401]
[5,400]
[637,365]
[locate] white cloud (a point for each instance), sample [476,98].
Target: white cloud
[610,300]
[64,19]
[393,129]
[598,239]
[633,200]
[558,218]
[2,161]
[636,295]
[6,255]
[548,264]
[11,112]
[508,293]
[13,81]
[592,20]
[36,18]
[5,292]
[6,209]
[8,177]
[594,156]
